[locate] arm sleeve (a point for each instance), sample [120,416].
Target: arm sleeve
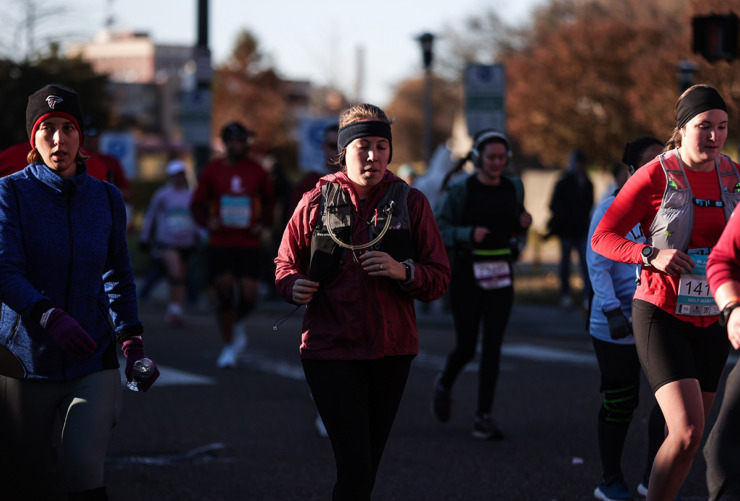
[199,201]
[600,267]
[634,204]
[118,278]
[15,289]
[448,218]
[118,177]
[150,218]
[294,254]
[723,264]
[432,267]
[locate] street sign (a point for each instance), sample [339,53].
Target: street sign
[122,146]
[311,136]
[485,92]
[196,117]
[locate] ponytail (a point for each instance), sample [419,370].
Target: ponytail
[458,167]
[675,140]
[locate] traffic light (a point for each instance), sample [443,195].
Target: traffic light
[715,36]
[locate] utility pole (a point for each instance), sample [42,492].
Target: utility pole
[30,25]
[427,40]
[197,102]
[360,74]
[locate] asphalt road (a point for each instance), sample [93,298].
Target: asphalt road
[248,434]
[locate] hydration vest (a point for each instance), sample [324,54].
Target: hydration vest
[674,222]
[335,210]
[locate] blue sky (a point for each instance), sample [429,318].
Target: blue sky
[317,41]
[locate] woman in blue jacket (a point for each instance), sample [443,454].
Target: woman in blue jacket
[67,295]
[610,326]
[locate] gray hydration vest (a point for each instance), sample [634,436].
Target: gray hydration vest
[335,209]
[674,222]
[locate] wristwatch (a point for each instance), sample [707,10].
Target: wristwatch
[647,253]
[724,315]
[408,272]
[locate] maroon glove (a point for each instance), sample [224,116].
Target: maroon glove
[68,334]
[133,350]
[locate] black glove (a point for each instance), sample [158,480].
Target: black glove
[619,326]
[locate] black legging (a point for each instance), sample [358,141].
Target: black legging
[470,303]
[723,443]
[620,381]
[357,401]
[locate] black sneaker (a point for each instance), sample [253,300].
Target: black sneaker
[442,404]
[485,428]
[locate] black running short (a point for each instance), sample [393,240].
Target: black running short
[671,349]
[237,261]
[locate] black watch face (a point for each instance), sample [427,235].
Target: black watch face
[646,251]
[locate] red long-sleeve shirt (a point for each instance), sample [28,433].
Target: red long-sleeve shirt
[724,261]
[638,202]
[247,189]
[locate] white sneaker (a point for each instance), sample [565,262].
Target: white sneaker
[173,317]
[642,489]
[227,358]
[320,427]
[239,341]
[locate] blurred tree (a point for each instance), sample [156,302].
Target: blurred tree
[247,89]
[593,74]
[408,109]
[24,78]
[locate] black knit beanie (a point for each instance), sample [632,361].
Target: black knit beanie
[52,100]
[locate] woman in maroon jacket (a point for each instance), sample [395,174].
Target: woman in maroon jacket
[358,250]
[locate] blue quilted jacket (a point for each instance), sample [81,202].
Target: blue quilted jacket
[62,244]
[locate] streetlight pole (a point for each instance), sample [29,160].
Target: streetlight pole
[686,71]
[203,76]
[427,40]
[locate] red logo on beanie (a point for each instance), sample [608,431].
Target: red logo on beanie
[53,101]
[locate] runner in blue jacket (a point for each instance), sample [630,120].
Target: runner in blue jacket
[67,295]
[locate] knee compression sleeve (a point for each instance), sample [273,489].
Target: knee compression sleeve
[619,403]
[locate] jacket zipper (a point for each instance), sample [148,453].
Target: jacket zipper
[69,267]
[15,328]
[71,251]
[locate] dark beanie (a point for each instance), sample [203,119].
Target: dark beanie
[52,100]
[235,130]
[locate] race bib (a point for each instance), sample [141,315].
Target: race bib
[694,297]
[236,211]
[178,220]
[492,274]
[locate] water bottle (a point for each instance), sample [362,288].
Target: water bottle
[143,369]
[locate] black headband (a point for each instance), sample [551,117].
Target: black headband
[350,132]
[698,101]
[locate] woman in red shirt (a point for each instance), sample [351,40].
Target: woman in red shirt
[682,199]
